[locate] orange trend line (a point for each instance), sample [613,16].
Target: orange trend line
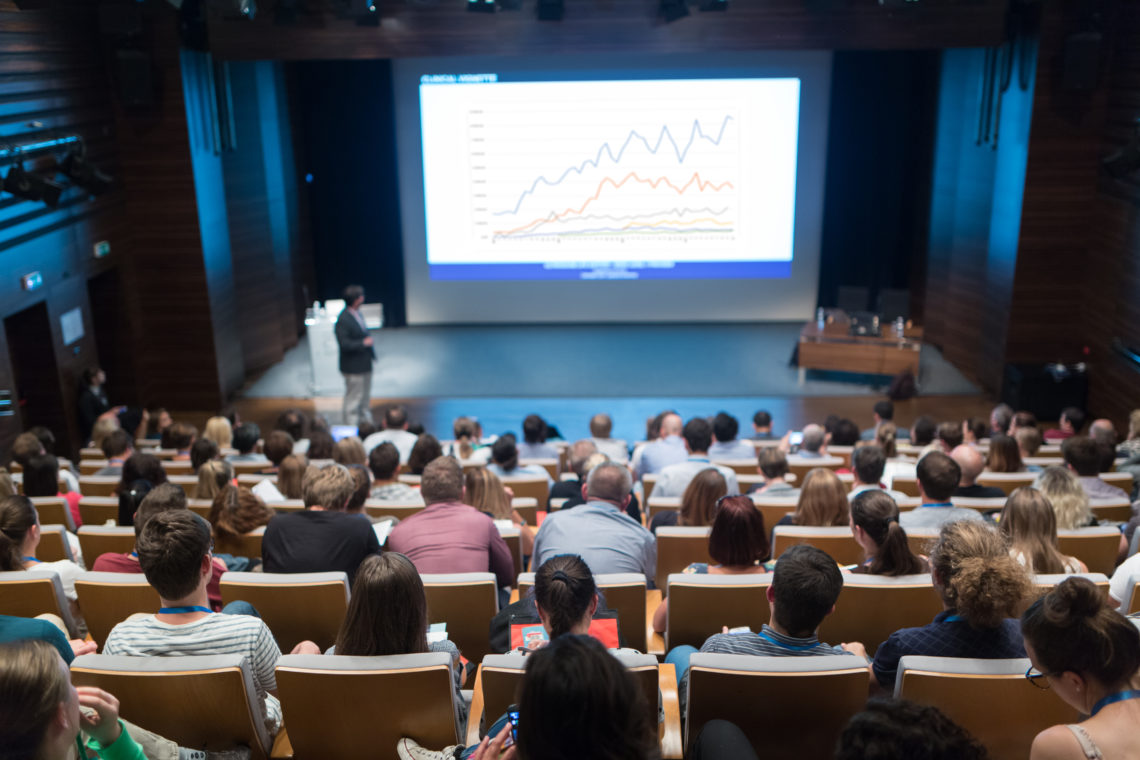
[701,185]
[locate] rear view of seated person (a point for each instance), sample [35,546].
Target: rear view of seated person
[896,728]
[278,445]
[534,445]
[699,503]
[774,467]
[41,478]
[869,462]
[1030,526]
[237,511]
[321,537]
[505,462]
[970,465]
[387,615]
[426,449]
[601,428]
[938,476]
[725,443]
[174,550]
[673,479]
[181,436]
[384,461]
[1070,424]
[163,498]
[982,588]
[19,537]
[1083,456]
[117,448]
[875,525]
[141,473]
[246,436]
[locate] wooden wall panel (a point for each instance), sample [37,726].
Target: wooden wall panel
[595,26]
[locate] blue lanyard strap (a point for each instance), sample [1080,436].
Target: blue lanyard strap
[794,647]
[1119,696]
[31,559]
[952,619]
[181,610]
[940,504]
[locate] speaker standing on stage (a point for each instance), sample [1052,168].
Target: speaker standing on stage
[356,357]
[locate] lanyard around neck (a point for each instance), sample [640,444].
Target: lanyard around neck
[1119,696]
[32,559]
[182,610]
[784,645]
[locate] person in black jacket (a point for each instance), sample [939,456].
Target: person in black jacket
[356,357]
[92,400]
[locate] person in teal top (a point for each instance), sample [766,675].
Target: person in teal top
[43,716]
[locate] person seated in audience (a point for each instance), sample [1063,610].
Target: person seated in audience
[1104,432]
[278,445]
[237,511]
[983,589]
[291,476]
[974,430]
[220,431]
[1029,524]
[162,498]
[534,445]
[484,491]
[668,448]
[580,452]
[844,433]
[938,475]
[1028,442]
[321,537]
[1089,655]
[19,537]
[426,450]
[1070,501]
[349,451]
[181,437]
[923,431]
[633,509]
[1023,419]
[1082,456]
[886,438]
[449,536]
[607,538]
[139,467]
[601,428]
[387,615]
[1001,419]
[104,426]
[970,466]
[41,478]
[897,728]
[321,445]
[610,717]
[26,446]
[738,545]
[395,432]
[805,586]
[1120,585]
[384,461]
[773,468]
[1004,455]
[158,420]
[47,628]
[868,463]
[673,479]
[295,423]
[505,462]
[950,436]
[822,502]
[174,549]
[725,445]
[1071,422]
[362,480]
[203,450]
[117,447]
[245,438]
[875,525]
[812,446]
[1130,446]
[762,426]
[467,446]
[883,412]
[213,476]
[698,503]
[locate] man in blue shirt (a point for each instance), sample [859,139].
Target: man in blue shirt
[666,450]
[600,531]
[938,476]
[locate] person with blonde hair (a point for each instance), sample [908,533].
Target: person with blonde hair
[213,476]
[1070,503]
[983,590]
[220,431]
[1030,525]
[823,501]
[237,511]
[103,427]
[484,491]
[698,503]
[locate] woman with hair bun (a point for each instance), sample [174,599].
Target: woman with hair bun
[875,525]
[983,590]
[1088,654]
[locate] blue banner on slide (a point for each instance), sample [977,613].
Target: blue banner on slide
[704,270]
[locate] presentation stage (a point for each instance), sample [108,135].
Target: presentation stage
[632,188]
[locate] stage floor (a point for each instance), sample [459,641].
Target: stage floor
[569,372]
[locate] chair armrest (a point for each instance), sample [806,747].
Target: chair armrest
[282,747]
[654,642]
[672,741]
[475,714]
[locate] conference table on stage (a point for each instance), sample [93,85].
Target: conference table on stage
[833,348]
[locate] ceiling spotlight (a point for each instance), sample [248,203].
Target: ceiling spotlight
[674,9]
[550,10]
[480,6]
[32,187]
[84,174]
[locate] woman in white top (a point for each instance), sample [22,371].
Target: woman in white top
[1030,525]
[19,537]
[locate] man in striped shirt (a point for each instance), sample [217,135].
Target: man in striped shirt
[175,552]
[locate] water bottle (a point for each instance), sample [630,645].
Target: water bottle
[819,318]
[899,327]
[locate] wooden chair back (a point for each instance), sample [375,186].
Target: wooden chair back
[54,544]
[699,605]
[624,593]
[99,510]
[837,541]
[1097,547]
[1122,480]
[800,466]
[529,487]
[907,484]
[95,540]
[1111,510]
[295,606]
[1007,481]
[98,485]
[872,607]
[54,510]
[550,465]
[678,547]
[466,602]
[245,545]
[108,599]
[773,509]
[27,593]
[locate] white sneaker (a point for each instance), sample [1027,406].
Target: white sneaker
[408,749]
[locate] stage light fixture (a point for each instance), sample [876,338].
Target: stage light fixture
[713,6]
[673,10]
[32,187]
[480,6]
[84,174]
[551,10]
[247,9]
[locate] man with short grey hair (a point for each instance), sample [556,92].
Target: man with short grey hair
[812,445]
[600,531]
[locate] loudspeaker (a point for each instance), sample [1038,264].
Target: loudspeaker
[1081,63]
[134,77]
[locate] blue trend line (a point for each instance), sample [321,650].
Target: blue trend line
[697,131]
